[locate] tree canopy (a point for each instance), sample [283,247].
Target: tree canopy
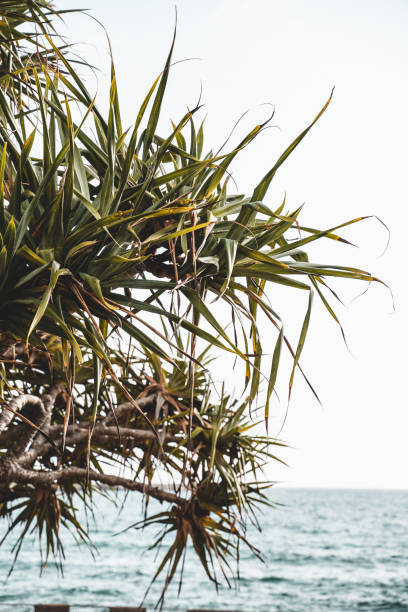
[114,246]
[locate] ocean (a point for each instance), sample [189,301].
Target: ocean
[325,550]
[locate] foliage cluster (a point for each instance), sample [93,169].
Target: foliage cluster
[114,244]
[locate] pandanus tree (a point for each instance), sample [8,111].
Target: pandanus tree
[114,246]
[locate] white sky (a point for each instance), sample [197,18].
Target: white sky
[290,53]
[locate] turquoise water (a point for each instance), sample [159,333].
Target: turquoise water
[337,550]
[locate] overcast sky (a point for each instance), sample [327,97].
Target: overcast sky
[290,53]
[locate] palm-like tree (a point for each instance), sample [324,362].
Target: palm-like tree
[113,246]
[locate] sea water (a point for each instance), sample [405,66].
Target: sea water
[325,550]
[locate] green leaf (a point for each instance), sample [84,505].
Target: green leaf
[227,259]
[273,374]
[94,285]
[262,187]
[302,339]
[155,112]
[2,167]
[144,340]
[199,305]
[56,272]
[3,265]
[215,179]
[162,235]
[9,237]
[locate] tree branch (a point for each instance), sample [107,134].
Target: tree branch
[8,411]
[18,474]
[80,431]
[42,421]
[126,407]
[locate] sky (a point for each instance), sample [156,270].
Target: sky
[248,56]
